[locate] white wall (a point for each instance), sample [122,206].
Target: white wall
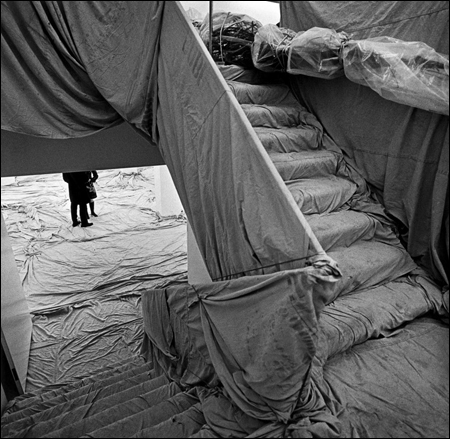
[16,318]
[197,271]
[167,201]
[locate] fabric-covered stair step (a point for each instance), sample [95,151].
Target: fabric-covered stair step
[147,417]
[73,391]
[182,425]
[49,392]
[405,394]
[100,388]
[114,408]
[367,264]
[65,412]
[305,164]
[344,228]
[296,139]
[321,195]
[273,94]
[275,116]
[369,313]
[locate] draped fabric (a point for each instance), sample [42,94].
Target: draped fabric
[243,216]
[70,69]
[260,335]
[261,349]
[402,151]
[256,342]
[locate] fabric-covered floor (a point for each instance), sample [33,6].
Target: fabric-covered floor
[83,285]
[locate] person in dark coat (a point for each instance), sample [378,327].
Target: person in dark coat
[78,195]
[93,178]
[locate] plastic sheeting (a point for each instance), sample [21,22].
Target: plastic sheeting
[83,286]
[259,347]
[410,73]
[269,50]
[232,36]
[315,52]
[400,150]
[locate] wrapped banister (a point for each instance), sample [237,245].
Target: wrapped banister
[243,217]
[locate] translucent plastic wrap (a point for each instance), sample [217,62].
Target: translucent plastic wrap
[410,73]
[232,37]
[269,49]
[315,52]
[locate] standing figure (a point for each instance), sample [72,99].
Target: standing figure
[78,195]
[93,176]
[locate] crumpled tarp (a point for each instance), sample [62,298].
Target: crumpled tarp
[260,345]
[83,285]
[316,52]
[70,69]
[243,217]
[400,150]
[142,247]
[260,334]
[232,36]
[145,61]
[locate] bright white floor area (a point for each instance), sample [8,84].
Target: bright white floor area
[83,285]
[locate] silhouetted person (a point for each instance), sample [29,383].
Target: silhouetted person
[93,194]
[79,196]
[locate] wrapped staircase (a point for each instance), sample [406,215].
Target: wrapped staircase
[132,399]
[127,399]
[349,224]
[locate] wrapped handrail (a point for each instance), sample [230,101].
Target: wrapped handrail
[410,73]
[407,72]
[315,52]
[231,37]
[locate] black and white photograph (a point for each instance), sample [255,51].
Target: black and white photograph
[225,219]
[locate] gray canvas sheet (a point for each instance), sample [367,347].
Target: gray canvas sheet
[205,333]
[401,151]
[83,286]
